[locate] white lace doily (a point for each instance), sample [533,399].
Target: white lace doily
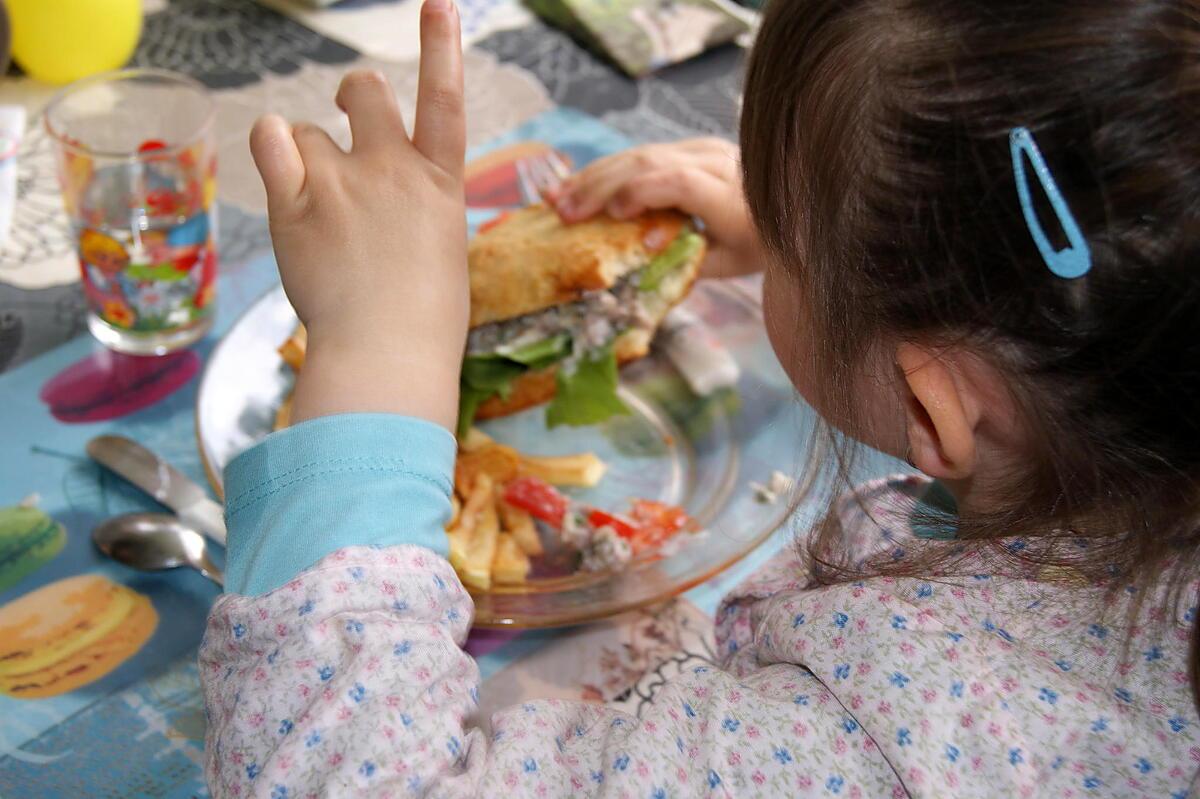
[388,30]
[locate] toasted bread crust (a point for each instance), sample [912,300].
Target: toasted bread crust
[532,261]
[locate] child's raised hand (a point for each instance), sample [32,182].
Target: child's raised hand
[371,243]
[697,176]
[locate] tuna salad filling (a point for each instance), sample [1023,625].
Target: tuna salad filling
[595,319]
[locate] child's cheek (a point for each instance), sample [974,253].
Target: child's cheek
[789,327]
[786,320]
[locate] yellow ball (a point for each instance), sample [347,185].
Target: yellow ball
[59,41]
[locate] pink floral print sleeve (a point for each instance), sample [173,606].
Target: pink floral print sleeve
[349,680]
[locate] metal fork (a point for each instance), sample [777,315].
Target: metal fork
[540,174]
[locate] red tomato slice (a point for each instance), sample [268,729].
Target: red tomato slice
[538,498]
[658,521]
[660,514]
[150,145]
[622,527]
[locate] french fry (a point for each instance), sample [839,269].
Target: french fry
[510,565]
[459,533]
[497,461]
[460,540]
[475,439]
[520,524]
[462,528]
[283,417]
[455,510]
[479,496]
[584,470]
[295,348]
[481,547]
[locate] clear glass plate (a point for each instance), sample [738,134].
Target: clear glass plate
[702,453]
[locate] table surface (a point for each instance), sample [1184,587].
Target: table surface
[139,731]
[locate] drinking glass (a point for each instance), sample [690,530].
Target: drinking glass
[137,166]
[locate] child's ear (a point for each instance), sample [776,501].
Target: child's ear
[942,411]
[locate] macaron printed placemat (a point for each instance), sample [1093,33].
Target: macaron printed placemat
[75,628]
[70,633]
[98,688]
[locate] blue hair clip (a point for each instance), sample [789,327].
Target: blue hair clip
[1076,258]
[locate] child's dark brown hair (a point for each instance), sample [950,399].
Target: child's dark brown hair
[875,139]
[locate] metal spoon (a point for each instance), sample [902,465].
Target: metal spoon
[155,541]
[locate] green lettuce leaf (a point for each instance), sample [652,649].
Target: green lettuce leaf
[469,400]
[670,259]
[542,353]
[483,378]
[589,394]
[491,375]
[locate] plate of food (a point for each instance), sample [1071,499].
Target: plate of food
[625,432]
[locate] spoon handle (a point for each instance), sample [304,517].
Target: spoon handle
[209,569]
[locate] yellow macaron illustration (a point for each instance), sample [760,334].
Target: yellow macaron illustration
[69,633]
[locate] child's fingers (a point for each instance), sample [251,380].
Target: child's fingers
[691,190]
[439,131]
[593,172]
[319,151]
[718,157]
[586,174]
[277,158]
[586,193]
[592,189]
[710,147]
[369,102]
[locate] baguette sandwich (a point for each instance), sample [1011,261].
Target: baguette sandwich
[555,309]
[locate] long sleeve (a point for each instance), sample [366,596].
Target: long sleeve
[337,481]
[350,680]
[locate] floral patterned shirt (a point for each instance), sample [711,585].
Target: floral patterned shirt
[349,680]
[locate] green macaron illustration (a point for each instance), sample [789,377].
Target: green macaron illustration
[29,539]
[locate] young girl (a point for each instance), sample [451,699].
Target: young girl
[980,224]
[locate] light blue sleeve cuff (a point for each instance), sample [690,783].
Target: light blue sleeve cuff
[333,482]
